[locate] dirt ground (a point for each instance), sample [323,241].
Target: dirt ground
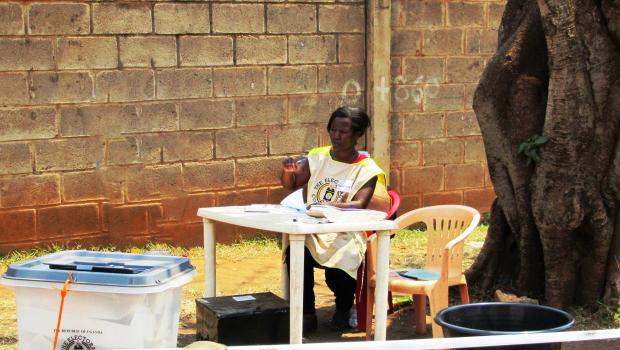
[255,274]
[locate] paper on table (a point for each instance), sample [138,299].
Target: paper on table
[258,208]
[317,210]
[334,214]
[295,201]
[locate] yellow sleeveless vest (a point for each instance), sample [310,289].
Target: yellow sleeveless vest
[334,181]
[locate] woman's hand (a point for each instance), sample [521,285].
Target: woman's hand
[362,197]
[295,172]
[289,164]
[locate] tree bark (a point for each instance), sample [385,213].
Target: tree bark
[553,226]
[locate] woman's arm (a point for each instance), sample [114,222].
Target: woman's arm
[362,197]
[295,173]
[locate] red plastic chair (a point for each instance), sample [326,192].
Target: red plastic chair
[360,290]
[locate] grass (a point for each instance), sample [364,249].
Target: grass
[231,252]
[408,247]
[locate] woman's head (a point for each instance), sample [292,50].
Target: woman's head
[346,125]
[359,119]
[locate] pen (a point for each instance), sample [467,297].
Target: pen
[291,164]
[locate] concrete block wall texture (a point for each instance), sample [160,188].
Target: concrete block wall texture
[118,120]
[439,50]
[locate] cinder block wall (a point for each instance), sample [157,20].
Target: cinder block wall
[118,120]
[439,50]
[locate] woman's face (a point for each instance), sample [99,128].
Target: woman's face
[341,134]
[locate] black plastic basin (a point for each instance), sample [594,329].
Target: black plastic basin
[503,318]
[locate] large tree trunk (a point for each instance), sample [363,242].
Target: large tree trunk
[554,225]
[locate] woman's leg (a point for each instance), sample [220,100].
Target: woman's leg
[343,287]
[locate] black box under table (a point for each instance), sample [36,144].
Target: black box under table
[247,319]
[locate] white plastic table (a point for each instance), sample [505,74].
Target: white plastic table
[294,227]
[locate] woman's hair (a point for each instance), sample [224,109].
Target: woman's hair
[359,119]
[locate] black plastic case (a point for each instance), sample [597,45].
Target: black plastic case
[235,320]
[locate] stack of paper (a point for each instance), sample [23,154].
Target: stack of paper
[334,214]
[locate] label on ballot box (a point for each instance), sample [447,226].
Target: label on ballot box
[248,319]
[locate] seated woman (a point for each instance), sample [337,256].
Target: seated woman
[341,176]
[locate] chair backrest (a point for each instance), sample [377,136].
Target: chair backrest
[447,226]
[395,199]
[391,214]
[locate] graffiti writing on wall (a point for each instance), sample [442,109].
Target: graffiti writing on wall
[402,90]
